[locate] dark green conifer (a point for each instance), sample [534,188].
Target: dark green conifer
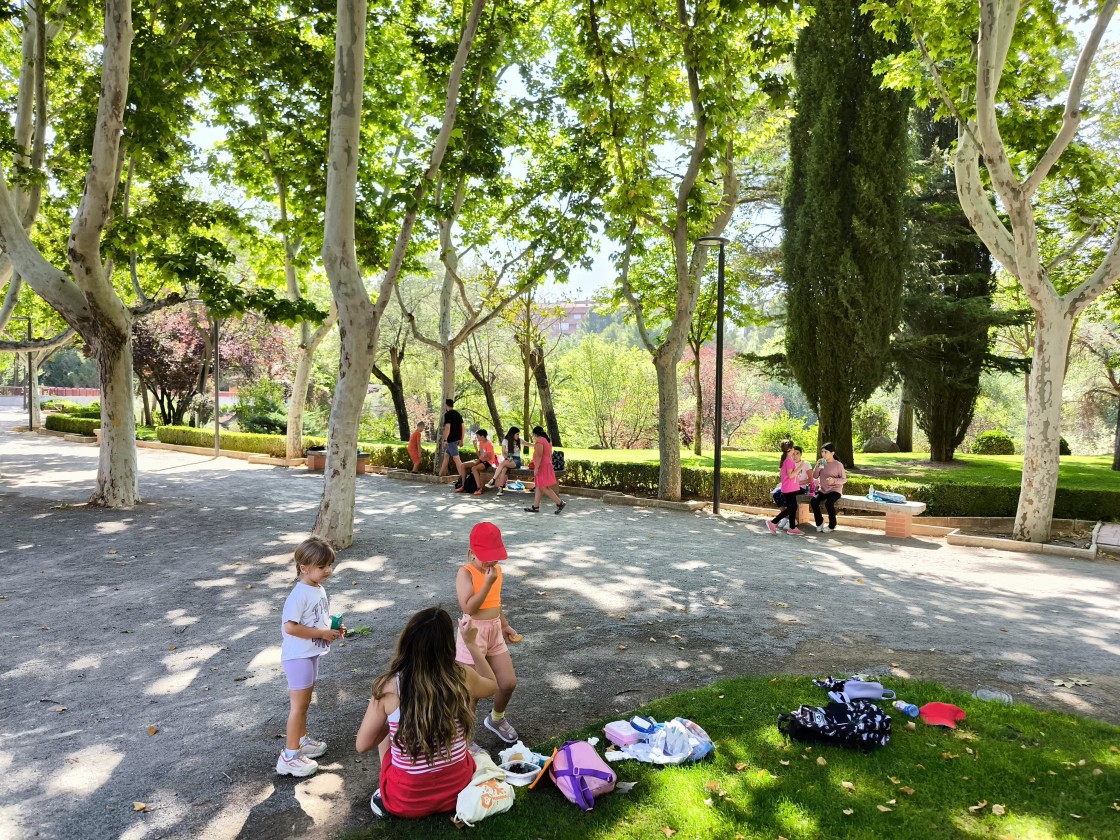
[843,213]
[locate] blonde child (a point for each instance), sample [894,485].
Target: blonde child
[478,585]
[306,636]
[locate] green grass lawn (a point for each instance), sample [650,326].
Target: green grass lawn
[1054,776]
[1077,472]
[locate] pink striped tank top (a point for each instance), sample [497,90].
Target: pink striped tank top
[419,765]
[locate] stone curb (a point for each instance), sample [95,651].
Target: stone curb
[957,538]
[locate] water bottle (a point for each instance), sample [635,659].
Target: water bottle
[908,709]
[871,493]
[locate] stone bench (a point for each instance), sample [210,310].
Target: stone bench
[900,515]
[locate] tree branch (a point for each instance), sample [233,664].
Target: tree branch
[1093,230]
[1071,117]
[52,343]
[1107,273]
[149,306]
[932,65]
[628,293]
[975,203]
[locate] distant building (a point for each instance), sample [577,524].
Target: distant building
[575,315]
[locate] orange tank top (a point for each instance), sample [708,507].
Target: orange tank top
[494,597]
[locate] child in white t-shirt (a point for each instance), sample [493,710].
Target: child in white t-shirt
[306,635]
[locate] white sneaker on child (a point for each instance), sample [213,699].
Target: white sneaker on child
[299,766]
[310,748]
[783,523]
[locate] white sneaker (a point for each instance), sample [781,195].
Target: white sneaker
[299,766]
[824,529]
[310,748]
[820,528]
[783,523]
[490,483]
[376,805]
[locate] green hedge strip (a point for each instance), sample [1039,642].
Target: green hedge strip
[743,487]
[71,425]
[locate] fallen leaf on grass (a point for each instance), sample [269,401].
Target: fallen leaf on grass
[708,802]
[1097,771]
[740,767]
[1076,816]
[821,761]
[1115,806]
[152,730]
[848,812]
[668,832]
[999,810]
[920,766]
[911,725]
[909,791]
[948,756]
[1113,748]
[894,780]
[784,763]
[892,801]
[139,806]
[883,808]
[1051,772]
[624,787]
[979,806]
[711,786]
[847,786]
[969,750]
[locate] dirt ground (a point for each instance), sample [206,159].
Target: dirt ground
[166,616]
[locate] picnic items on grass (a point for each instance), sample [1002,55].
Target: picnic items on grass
[487,794]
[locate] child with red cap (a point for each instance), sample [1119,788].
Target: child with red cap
[478,585]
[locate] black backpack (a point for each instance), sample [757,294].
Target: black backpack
[557,461]
[859,724]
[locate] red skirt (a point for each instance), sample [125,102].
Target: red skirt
[415,795]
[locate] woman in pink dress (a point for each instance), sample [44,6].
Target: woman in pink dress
[544,477]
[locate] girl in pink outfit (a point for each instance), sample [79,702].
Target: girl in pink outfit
[791,486]
[544,477]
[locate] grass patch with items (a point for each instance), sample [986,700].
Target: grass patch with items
[1008,771]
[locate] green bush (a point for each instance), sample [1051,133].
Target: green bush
[1063,447]
[273,423]
[62,406]
[870,421]
[993,442]
[750,487]
[72,425]
[272,445]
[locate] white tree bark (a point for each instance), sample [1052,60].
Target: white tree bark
[1018,250]
[358,317]
[87,300]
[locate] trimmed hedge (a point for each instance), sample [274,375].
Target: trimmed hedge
[72,425]
[743,487]
[380,454]
[747,487]
[993,443]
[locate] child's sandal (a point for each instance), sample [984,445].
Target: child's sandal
[561,506]
[533,509]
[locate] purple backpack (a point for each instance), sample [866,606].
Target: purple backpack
[581,774]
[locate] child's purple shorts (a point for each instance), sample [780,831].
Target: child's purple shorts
[301,673]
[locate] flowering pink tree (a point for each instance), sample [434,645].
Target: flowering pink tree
[744,397]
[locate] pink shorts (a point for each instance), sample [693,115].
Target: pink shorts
[489,640]
[301,673]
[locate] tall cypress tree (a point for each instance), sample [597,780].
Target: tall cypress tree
[944,343]
[843,213]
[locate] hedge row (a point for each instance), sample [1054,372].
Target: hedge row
[744,487]
[747,487]
[71,425]
[380,454]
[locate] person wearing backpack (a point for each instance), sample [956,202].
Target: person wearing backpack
[420,716]
[544,476]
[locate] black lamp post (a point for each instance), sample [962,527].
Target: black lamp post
[717,455]
[217,393]
[30,407]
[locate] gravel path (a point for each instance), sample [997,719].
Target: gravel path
[166,616]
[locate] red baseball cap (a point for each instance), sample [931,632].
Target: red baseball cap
[486,543]
[941,714]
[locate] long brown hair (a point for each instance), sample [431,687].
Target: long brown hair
[434,699]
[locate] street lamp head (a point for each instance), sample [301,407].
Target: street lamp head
[712,240]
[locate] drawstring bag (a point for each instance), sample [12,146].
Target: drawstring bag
[488,793]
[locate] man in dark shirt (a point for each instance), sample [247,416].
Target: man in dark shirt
[452,438]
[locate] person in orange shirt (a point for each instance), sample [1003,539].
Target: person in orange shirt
[414,445]
[484,462]
[478,585]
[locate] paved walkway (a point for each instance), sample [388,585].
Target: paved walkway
[166,616]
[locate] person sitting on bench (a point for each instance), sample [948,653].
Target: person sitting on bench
[484,462]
